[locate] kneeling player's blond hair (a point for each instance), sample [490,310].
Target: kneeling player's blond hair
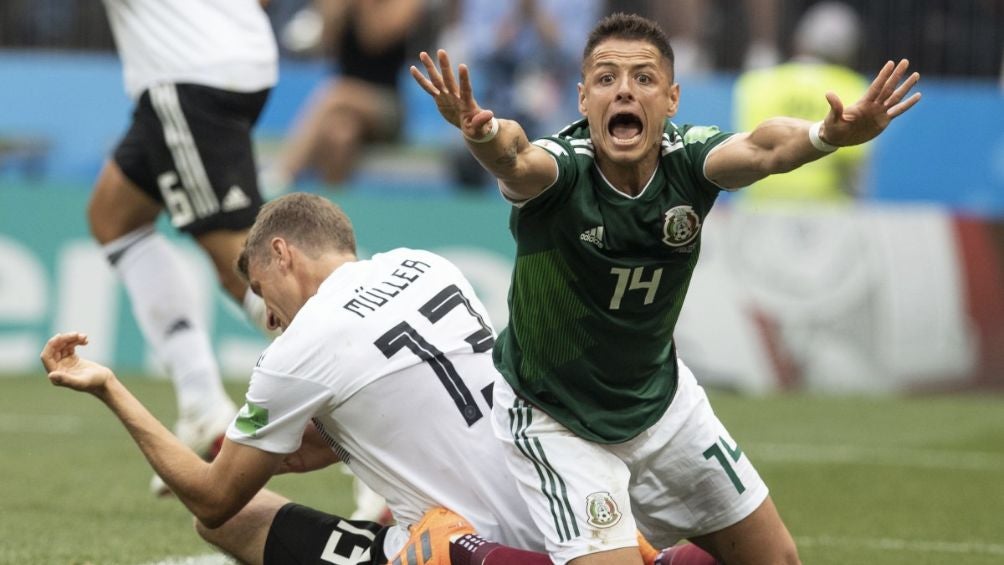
[312,223]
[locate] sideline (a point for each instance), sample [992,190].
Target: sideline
[207,559]
[57,424]
[900,545]
[884,456]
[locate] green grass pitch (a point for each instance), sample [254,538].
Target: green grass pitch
[887,481]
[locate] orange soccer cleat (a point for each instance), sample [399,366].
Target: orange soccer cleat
[430,539]
[648,553]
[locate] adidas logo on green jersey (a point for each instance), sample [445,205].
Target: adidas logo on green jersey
[594,236]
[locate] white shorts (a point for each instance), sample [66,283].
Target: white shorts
[685,476]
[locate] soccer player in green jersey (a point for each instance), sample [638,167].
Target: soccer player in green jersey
[606,428]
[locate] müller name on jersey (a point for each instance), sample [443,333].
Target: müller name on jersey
[369,299]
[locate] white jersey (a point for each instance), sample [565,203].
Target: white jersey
[225,44]
[392,360]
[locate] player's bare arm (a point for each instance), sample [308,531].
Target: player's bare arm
[213,492]
[501,146]
[779,145]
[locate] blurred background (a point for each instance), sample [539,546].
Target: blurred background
[880,272]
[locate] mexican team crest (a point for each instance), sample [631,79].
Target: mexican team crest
[681,226]
[602,510]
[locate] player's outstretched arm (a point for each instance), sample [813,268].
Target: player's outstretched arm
[778,145]
[213,492]
[501,146]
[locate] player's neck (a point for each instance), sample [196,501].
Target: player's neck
[629,178]
[315,271]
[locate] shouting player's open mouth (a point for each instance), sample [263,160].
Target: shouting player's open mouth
[625,128]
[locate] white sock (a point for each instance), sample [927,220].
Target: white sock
[254,307]
[164,305]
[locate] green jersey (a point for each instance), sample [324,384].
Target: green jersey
[598,284]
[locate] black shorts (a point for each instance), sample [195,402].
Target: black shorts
[190,148]
[301,536]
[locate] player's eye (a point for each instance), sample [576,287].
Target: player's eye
[644,79]
[606,78]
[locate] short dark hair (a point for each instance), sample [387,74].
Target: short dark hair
[311,222]
[632,27]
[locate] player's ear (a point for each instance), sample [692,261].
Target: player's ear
[582,99]
[674,100]
[280,251]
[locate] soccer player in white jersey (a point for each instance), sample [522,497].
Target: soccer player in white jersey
[384,364]
[386,361]
[199,72]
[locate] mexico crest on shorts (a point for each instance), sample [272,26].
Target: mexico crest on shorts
[601,510]
[681,226]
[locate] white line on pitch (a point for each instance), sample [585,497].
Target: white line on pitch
[886,456]
[891,544]
[207,559]
[40,423]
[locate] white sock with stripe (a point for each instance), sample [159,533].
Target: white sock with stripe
[254,306]
[163,304]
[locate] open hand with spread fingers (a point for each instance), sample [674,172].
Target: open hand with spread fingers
[455,100]
[67,369]
[869,116]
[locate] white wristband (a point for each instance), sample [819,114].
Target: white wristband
[492,132]
[817,141]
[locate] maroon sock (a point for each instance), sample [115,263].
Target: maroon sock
[472,549]
[687,554]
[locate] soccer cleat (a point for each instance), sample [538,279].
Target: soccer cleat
[683,554]
[429,543]
[648,553]
[203,435]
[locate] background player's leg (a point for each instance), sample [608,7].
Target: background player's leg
[117,206]
[223,247]
[122,219]
[370,505]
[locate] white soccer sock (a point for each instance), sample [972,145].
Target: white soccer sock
[164,305]
[254,307]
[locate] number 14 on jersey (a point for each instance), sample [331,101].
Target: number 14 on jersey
[634,279]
